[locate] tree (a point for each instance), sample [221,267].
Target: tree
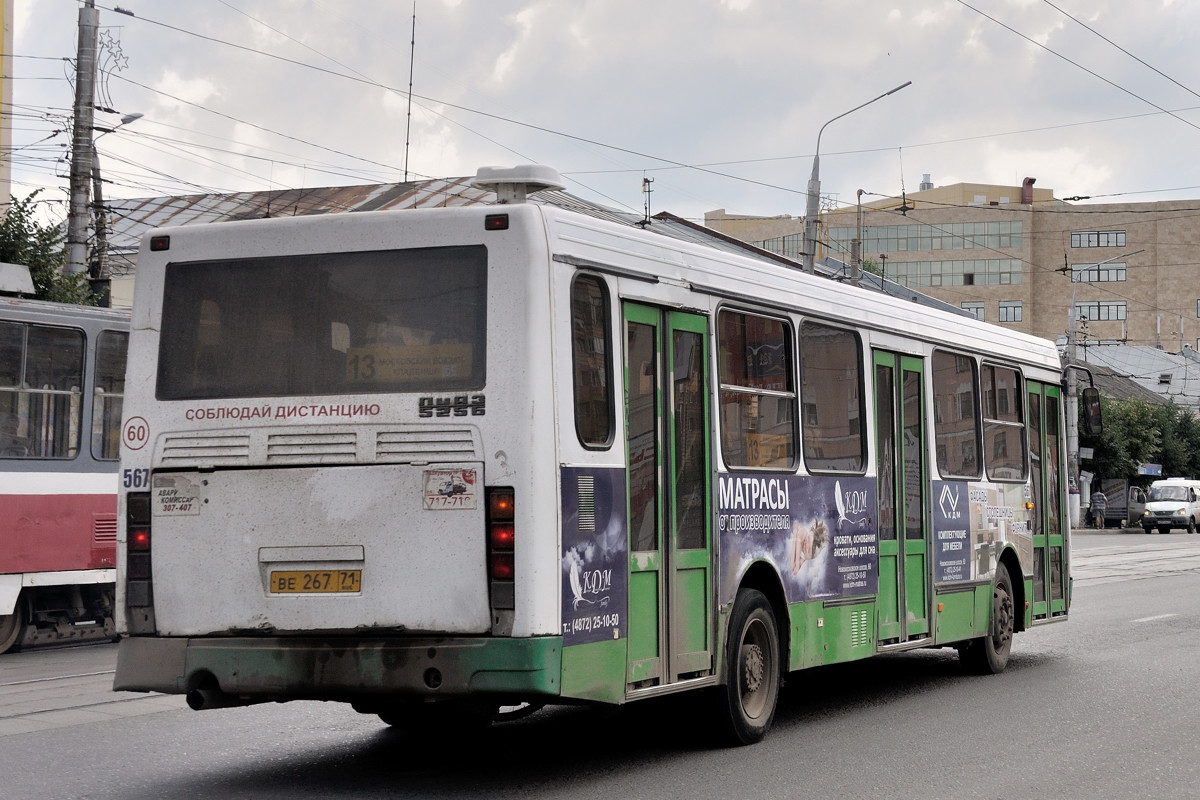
[1133,435]
[1180,450]
[24,240]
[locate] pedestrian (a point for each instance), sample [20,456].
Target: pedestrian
[1099,504]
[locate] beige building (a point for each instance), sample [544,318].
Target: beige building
[1016,256]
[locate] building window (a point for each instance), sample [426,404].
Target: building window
[1098,239]
[1010,311]
[977,310]
[1098,273]
[1102,310]
[917,237]
[975,272]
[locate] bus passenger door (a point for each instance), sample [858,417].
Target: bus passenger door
[667,415]
[1046,478]
[903,600]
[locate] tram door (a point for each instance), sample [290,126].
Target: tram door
[1046,480]
[667,416]
[903,603]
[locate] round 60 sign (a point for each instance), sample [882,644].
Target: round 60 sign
[135,433]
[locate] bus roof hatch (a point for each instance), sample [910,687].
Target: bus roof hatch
[514,184]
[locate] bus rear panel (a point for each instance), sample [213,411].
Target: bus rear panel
[325,466]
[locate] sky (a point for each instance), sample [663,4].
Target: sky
[719,102]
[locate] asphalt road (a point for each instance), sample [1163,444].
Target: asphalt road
[1101,706]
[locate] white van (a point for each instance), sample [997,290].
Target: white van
[1172,503]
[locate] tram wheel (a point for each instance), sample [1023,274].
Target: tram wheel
[989,654]
[11,626]
[752,669]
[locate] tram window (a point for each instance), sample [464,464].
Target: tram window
[109,394]
[1003,423]
[956,415]
[41,383]
[591,352]
[758,396]
[830,389]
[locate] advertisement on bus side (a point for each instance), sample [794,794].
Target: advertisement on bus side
[972,522]
[820,532]
[595,557]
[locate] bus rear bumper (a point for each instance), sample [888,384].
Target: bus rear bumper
[341,668]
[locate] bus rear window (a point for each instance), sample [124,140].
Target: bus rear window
[321,324]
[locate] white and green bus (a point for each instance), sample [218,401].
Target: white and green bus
[435,463]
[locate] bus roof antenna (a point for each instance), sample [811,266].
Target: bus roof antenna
[514,184]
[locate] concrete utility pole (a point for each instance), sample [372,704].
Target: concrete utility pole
[81,143]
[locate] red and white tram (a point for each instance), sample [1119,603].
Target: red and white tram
[62,381]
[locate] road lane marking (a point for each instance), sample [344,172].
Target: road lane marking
[1156,617]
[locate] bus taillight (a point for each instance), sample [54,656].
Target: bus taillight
[501,544]
[137,547]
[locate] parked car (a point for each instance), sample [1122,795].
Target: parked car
[1172,503]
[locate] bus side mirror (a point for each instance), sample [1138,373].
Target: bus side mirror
[1093,424]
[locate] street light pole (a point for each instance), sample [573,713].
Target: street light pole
[1072,404]
[98,269]
[814,186]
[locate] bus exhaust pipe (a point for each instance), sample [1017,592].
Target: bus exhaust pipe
[207,699]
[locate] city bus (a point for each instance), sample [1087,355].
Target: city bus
[62,379]
[438,463]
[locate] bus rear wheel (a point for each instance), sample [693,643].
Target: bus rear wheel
[988,655]
[439,720]
[752,669]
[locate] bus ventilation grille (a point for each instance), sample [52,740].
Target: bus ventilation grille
[216,449]
[311,448]
[587,502]
[860,628]
[426,445]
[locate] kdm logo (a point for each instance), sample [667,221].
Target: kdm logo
[949,502]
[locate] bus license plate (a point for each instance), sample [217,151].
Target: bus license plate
[316,581]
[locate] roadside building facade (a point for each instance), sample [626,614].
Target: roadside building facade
[1019,257]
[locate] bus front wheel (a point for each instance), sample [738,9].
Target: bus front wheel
[989,654]
[752,669]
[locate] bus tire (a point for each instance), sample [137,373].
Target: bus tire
[12,626]
[752,669]
[988,655]
[439,720]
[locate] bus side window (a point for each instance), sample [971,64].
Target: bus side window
[956,415]
[758,391]
[831,395]
[591,361]
[1003,423]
